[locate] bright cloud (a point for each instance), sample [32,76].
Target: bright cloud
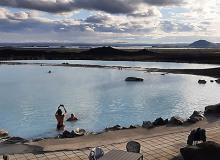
[105,20]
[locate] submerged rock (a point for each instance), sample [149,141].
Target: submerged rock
[134,79]
[212,109]
[204,151]
[196,116]
[147,124]
[176,120]
[202,81]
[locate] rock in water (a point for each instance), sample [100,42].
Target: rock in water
[176,120]
[202,81]
[15,140]
[159,122]
[196,116]
[204,151]
[217,81]
[134,79]
[3,133]
[212,109]
[5,157]
[114,128]
[147,124]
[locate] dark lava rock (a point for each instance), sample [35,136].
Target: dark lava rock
[204,151]
[159,122]
[37,139]
[131,127]
[196,116]
[114,128]
[217,81]
[3,133]
[72,134]
[147,124]
[14,140]
[166,121]
[67,134]
[202,81]
[65,63]
[212,109]
[176,120]
[135,126]
[134,79]
[5,157]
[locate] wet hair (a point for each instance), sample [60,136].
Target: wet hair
[59,112]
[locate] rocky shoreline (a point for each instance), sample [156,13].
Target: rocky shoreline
[210,72]
[172,122]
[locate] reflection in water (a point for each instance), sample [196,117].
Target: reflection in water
[29,97]
[162,65]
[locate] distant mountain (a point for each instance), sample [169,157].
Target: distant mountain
[202,44]
[110,51]
[103,50]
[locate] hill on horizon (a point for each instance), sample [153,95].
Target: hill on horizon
[202,44]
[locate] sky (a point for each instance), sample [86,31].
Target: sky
[109,21]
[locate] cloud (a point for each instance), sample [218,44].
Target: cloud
[165,2]
[108,19]
[29,22]
[57,6]
[108,6]
[41,5]
[103,22]
[169,26]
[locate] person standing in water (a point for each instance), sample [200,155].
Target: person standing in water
[60,117]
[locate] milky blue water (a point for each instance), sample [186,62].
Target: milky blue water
[29,97]
[162,65]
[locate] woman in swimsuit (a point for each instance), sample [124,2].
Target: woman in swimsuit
[60,117]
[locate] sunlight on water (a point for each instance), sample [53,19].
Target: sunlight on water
[162,65]
[29,97]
